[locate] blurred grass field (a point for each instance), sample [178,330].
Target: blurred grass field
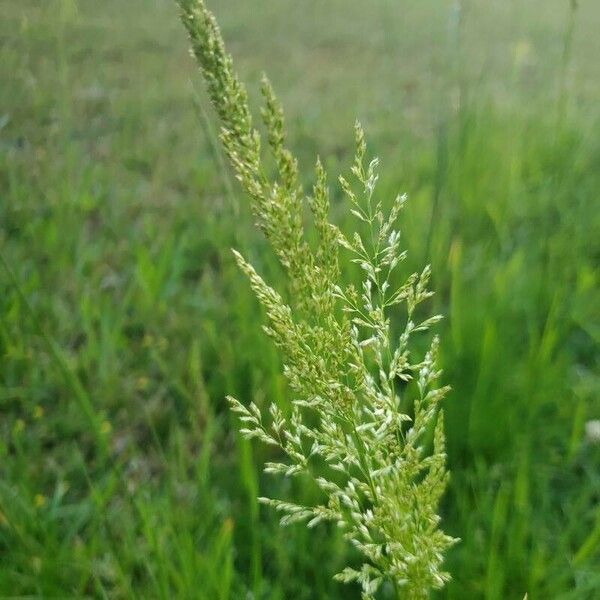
[124,322]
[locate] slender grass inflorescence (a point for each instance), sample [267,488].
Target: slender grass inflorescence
[365,442]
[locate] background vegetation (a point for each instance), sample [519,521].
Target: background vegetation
[124,321]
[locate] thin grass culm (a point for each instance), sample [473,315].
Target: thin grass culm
[364,421]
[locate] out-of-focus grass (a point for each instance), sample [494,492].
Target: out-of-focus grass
[123,322]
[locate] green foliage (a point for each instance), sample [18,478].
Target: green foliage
[117,224]
[381,487]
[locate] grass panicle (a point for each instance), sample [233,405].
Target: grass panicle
[364,405]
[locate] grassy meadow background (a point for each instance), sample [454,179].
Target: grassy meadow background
[124,321]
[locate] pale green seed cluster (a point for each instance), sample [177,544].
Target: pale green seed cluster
[364,422]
